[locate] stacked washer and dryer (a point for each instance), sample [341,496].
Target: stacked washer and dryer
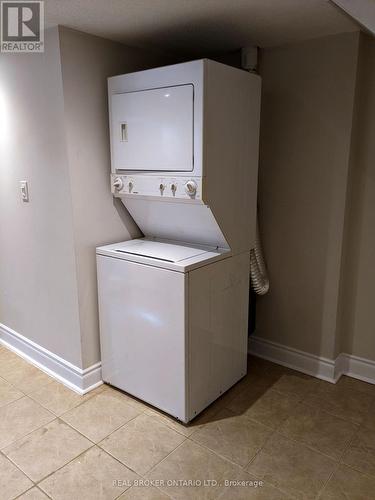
[174,304]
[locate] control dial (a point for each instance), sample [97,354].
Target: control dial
[191,188]
[118,184]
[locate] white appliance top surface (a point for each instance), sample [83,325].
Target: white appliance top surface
[162,253]
[158,250]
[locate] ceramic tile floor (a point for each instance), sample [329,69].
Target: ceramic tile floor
[292,435]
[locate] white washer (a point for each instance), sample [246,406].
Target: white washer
[173,320]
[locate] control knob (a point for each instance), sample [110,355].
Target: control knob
[191,188]
[118,184]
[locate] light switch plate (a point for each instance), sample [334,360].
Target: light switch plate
[24,191]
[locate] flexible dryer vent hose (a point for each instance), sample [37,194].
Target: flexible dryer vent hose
[258,270]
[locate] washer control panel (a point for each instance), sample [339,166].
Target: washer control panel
[188,188]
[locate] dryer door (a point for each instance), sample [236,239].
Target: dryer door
[153,129]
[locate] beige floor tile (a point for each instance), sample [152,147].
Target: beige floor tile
[233,392]
[143,493]
[192,462]
[235,437]
[33,494]
[361,453]
[142,443]
[248,397]
[264,368]
[249,488]
[136,403]
[208,415]
[292,467]
[348,484]
[25,376]
[93,475]
[341,401]
[7,355]
[319,430]
[369,418]
[100,415]
[10,362]
[296,384]
[59,399]
[8,393]
[47,449]
[270,408]
[184,429]
[356,385]
[21,417]
[12,481]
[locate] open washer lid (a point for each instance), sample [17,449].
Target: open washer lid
[162,253]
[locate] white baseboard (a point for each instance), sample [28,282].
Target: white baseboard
[293,358]
[77,379]
[318,366]
[356,367]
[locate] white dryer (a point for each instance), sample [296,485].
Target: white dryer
[173,318]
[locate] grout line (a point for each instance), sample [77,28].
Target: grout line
[339,462]
[309,447]
[190,438]
[258,452]
[335,462]
[34,486]
[105,437]
[223,457]
[79,403]
[361,415]
[2,376]
[366,474]
[37,483]
[28,433]
[46,494]
[154,466]
[14,400]
[323,410]
[117,429]
[320,493]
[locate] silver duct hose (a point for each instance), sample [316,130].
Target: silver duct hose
[258,270]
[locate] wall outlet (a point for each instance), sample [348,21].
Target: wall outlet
[24,191]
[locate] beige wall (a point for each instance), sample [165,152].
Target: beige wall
[87,61]
[54,133]
[357,305]
[38,290]
[306,122]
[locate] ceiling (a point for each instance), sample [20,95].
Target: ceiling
[200,27]
[361,10]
